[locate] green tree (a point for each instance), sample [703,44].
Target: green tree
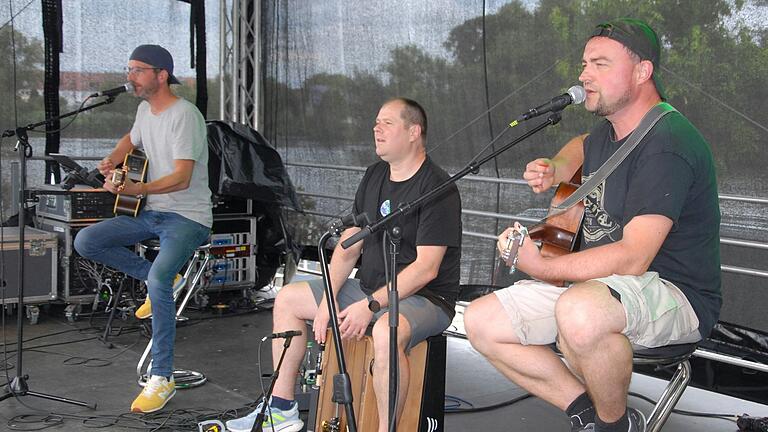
[27,63]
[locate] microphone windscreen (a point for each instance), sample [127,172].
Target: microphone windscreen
[578,94]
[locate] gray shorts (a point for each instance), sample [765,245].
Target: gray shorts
[425,318]
[657,311]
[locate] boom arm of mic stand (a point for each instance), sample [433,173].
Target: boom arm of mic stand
[12,132]
[344,380]
[369,229]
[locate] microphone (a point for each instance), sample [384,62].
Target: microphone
[575,95]
[285,334]
[350,220]
[127,87]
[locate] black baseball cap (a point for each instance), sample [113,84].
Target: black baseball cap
[156,56]
[640,38]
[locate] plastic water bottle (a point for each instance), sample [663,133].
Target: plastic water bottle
[308,365]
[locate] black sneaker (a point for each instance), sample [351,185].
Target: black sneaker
[589,427]
[580,422]
[636,420]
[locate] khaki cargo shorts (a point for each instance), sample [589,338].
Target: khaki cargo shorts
[657,311]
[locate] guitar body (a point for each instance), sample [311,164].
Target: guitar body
[558,233]
[134,168]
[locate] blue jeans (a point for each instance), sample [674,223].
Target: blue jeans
[179,237]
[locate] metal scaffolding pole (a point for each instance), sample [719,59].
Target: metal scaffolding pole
[240,62]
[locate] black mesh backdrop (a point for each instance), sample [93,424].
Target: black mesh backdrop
[52,27]
[329,65]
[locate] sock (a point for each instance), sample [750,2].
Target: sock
[280,403]
[581,411]
[621,425]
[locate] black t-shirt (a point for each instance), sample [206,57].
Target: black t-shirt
[670,173]
[435,223]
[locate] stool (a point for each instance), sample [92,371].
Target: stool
[426,391]
[664,357]
[195,268]
[677,356]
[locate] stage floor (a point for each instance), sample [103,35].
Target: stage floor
[67,360]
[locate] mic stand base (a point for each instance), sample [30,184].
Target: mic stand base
[18,386]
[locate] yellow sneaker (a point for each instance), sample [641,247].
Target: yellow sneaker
[155,395]
[145,310]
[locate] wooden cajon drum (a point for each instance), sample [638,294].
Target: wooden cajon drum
[424,404]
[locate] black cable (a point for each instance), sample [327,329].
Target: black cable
[5,365]
[729,417]
[8,366]
[55,344]
[490,120]
[457,410]
[13,16]
[261,383]
[74,360]
[50,132]
[487,407]
[45,336]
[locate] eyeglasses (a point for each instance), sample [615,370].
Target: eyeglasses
[138,70]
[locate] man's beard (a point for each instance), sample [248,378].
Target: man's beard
[148,91]
[603,110]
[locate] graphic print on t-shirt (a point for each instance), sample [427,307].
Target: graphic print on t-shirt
[598,224]
[385,208]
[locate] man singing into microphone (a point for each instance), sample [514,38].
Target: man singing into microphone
[428,269]
[648,270]
[171,132]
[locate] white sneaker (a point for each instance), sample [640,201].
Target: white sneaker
[281,421]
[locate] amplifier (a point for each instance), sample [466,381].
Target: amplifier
[233,253]
[78,278]
[82,204]
[229,206]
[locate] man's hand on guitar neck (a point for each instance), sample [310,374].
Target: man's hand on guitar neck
[528,258]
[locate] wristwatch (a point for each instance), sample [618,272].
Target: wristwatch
[141,195]
[373,304]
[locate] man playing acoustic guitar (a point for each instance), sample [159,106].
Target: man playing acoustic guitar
[171,131]
[648,270]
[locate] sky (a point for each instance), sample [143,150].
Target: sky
[99,35]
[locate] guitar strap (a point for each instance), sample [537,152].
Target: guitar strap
[646,124]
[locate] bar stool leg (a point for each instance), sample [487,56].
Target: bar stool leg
[183,378]
[116,300]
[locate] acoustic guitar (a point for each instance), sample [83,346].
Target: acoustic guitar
[135,168]
[559,231]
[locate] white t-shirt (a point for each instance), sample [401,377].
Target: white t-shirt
[176,133]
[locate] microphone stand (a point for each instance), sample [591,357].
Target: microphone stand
[18,386]
[257,427]
[404,208]
[342,385]
[394,234]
